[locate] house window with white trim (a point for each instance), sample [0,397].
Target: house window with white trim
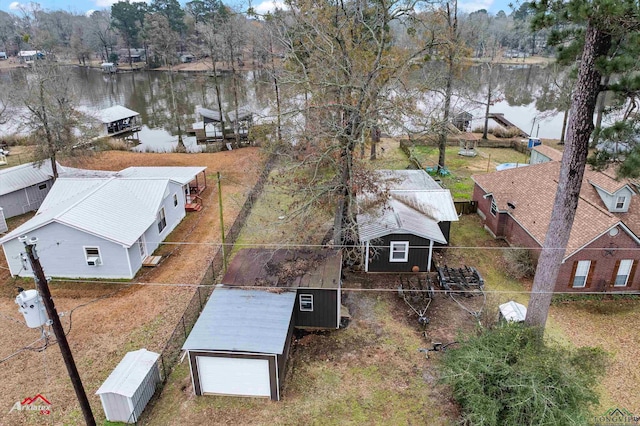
[162,220]
[620,202]
[175,200]
[306,302]
[582,272]
[399,251]
[624,270]
[92,256]
[494,206]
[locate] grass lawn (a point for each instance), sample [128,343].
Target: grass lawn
[462,168]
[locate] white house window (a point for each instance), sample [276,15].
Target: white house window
[306,302]
[92,256]
[175,200]
[494,207]
[620,201]
[42,186]
[582,271]
[162,220]
[622,276]
[399,251]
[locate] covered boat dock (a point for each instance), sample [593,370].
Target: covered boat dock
[117,120]
[213,121]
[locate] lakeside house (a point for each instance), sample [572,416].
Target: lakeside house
[604,245]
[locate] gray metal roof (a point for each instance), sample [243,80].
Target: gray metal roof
[436,204]
[118,210]
[212,115]
[25,175]
[129,374]
[415,205]
[115,113]
[240,320]
[405,180]
[397,218]
[182,175]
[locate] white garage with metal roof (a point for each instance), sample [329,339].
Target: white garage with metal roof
[240,343]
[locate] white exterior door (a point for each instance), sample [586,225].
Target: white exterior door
[234,376]
[142,245]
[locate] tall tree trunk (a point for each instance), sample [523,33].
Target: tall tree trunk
[565,117]
[442,144]
[574,159]
[600,110]
[375,140]
[277,90]
[216,83]
[452,22]
[486,112]
[234,81]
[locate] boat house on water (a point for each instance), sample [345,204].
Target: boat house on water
[117,120]
[213,122]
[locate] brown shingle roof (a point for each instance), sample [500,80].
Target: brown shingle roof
[532,191]
[549,152]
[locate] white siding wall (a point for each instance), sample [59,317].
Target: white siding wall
[24,200]
[610,200]
[62,254]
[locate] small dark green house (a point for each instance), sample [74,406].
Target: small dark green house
[313,273]
[400,234]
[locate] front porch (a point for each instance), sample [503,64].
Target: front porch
[193,192]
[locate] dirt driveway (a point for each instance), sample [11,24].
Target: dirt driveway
[110,319]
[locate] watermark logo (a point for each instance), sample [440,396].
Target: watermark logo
[616,417]
[37,403]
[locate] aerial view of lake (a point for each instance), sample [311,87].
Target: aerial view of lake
[147,92]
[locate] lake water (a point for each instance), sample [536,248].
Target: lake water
[147,92]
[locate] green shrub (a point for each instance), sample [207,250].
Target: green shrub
[508,376]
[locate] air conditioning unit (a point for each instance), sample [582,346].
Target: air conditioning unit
[93,261]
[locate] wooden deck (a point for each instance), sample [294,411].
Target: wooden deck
[151,261]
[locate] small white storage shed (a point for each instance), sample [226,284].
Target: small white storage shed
[130,386]
[513,311]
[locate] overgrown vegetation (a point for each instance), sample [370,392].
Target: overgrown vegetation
[508,376]
[519,263]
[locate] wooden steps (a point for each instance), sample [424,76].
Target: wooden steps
[193,207]
[151,261]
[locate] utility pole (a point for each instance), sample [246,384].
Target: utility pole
[43,289]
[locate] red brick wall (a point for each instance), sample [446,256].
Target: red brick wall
[605,263]
[602,272]
[484,205]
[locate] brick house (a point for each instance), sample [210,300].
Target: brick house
[603,249]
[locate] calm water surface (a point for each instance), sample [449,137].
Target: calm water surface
[147,92]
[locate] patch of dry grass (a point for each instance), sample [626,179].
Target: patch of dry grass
[611,324]
[137,316]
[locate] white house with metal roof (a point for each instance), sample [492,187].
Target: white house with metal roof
[100,227]
[398,234]
[240,343]
[24,187]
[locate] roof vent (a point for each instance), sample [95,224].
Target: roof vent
[511,205]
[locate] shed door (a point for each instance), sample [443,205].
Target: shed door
[234,376]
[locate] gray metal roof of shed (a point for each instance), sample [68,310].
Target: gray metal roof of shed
[397,218]
[129,374]
[406,180]
[241,320]
[25,175]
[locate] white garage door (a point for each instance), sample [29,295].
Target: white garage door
[234,376]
